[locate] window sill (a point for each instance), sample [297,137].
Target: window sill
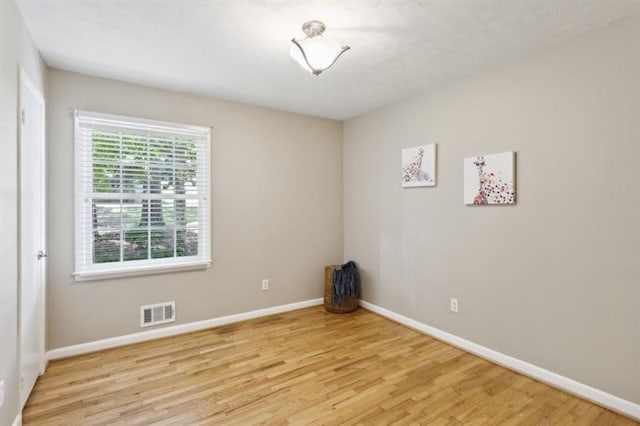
[133,271]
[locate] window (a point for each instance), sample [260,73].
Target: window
[142,196]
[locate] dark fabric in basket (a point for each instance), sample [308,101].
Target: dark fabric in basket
[346,282]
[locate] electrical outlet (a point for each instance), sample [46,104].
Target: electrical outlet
[454,305]
[265,284]
[1,393]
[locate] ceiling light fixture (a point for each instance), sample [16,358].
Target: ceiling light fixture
[316,53]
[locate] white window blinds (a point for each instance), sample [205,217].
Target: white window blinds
[142,196]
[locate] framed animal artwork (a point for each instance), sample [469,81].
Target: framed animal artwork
[490,179]
[419,166]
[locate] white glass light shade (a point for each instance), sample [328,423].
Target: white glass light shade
[321,53]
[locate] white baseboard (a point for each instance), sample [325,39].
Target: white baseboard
[587,392]
[17,421]
[143,336]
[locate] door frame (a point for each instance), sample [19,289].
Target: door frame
[26,83]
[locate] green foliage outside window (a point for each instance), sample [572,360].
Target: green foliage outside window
[141,207]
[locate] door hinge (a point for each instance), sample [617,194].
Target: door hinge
[21,382]
[23,116]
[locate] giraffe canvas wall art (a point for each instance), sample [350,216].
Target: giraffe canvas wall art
[490,179]
[419,166]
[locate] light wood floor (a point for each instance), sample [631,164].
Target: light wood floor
[302,367]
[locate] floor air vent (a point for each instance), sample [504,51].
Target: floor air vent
[159,313]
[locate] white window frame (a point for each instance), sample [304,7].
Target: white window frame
[85,269]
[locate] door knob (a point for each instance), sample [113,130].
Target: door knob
[41,254]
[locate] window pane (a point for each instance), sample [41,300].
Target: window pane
[106,246]
[169,212]
[136,244]
[190,247]
[106,214]
[106,177]
[162,243]
[187,242]
[106,146]
[185,166]
[160,148]
[151,214]
[136,237]
[131,214]
[180,219]
[134,148]
[106,227]
[134,178]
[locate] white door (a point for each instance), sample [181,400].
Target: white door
[32,235]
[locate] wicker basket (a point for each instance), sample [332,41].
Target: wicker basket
[350,304]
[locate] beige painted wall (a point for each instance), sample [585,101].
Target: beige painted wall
[554,280]
[17,50]
[276,211]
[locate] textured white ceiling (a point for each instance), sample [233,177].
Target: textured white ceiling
[239,49]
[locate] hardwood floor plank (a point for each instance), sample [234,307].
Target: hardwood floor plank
[302,367]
